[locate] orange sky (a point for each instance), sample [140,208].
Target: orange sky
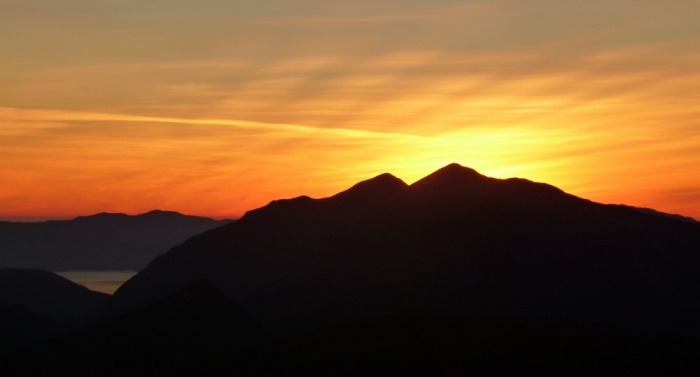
[217,107]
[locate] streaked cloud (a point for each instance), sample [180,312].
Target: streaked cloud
[155,103]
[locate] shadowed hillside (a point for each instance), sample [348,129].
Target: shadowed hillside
[187,333]
[36,305]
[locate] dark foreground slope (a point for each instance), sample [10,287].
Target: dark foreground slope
[105,241]
[190,332]
[429,344]
[189,336]
[455,242]
[36,305]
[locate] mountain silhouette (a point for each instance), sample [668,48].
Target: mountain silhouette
[105,241]
[455,242]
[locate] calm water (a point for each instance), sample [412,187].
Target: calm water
[101,281]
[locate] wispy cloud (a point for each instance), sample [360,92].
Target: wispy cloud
[30,115]
[241,102]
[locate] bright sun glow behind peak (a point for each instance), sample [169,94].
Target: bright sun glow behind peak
[215,108]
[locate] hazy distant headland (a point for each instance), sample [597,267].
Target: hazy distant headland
[102,242]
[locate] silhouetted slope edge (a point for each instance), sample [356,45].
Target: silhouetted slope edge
[667,215]
[36,305]
[454,242]
[105,241]
[377,188]
[182,334]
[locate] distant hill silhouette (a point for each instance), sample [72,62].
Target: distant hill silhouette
[105,241]
[454,242]
[36,305]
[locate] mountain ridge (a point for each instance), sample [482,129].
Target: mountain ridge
[455,242]
[461,273]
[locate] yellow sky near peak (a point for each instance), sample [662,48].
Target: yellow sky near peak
[215,108]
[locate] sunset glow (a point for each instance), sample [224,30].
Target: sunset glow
[214,108]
